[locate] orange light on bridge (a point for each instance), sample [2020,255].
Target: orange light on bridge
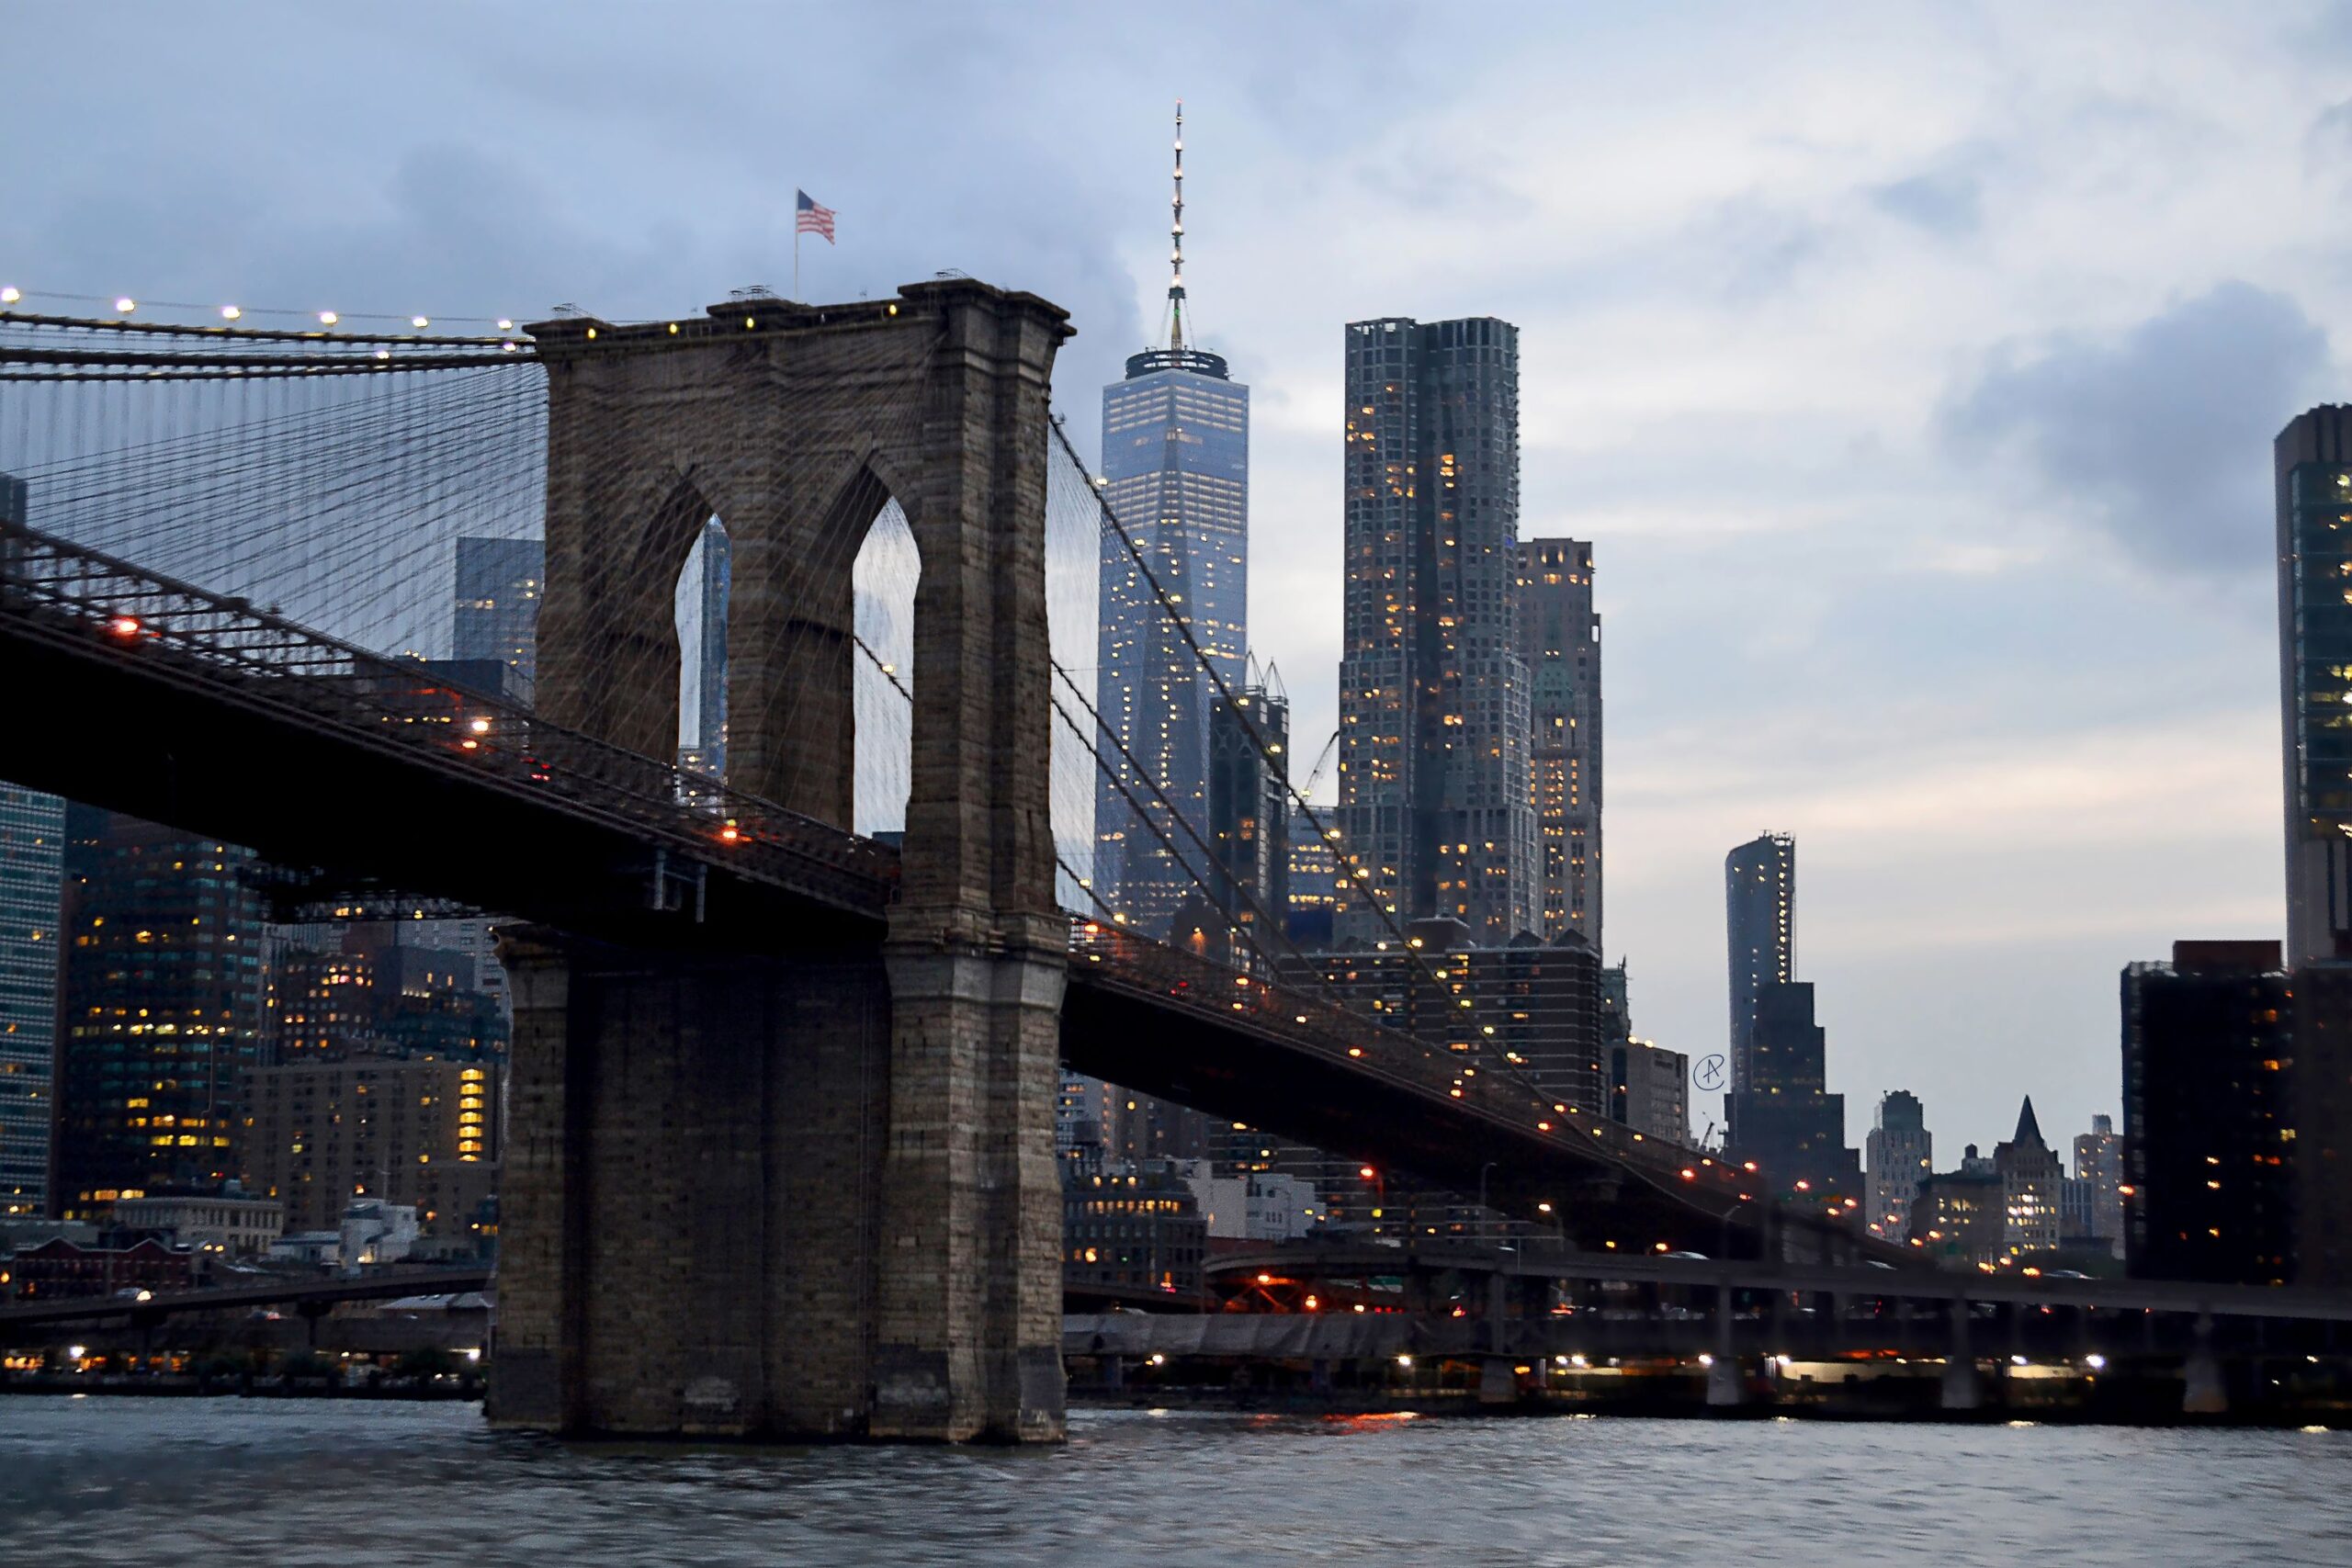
[1802,1185]
[1366,1173]
[730,833]
[468,744]
[1543,1126]
[1688,1174]
[1265,1279]
[1312,1305]
[1352,1050]
[125,626]
[480,726]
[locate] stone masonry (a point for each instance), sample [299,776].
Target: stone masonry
[812,1193]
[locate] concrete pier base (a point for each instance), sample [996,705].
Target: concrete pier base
[1724,1388]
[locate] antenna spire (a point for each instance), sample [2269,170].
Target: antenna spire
[1176,239]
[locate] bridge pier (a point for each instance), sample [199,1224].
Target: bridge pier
[1962,1389]
[2204,1391]
[1723,1386]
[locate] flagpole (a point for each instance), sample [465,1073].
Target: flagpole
[795,257]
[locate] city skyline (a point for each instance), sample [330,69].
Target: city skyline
[1897,709]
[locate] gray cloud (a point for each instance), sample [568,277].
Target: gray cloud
[2161,434]
[1949,202]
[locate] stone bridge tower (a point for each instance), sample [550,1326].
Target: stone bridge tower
[808,1191]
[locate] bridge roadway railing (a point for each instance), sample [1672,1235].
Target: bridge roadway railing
[1219,995]
[98,607]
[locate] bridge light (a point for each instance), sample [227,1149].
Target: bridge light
[1578,1362]
[1366,1173]
[230,312]
[1705,1359]
[76,1352]
[480,727]
[1802,1185]
[729,833]
[1265,1279]
[1404,1360]
[1159,1358]
[1543,1126]
[469,744]
[674,329]
[422,321]
[2095,1362]
[1749,1167]
[124,625]
[505,324]
[328,318]
[1352,1050]
[10,294]
[1688,1174]
[1542,1208]
[591,335]
[124,306]
[1312,1305]
[893,311]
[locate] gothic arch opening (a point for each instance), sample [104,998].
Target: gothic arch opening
[699,613]
[882,583]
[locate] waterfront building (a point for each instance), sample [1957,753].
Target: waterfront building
[1176,474]
[500,583]
[1960,1218]
[62,1269]
[232,1221]
[1253,1205]
[1760,920]
[2099,1169]
[1559,640]
[2207,1115]
[1786,1121]
[160,1012]
[421,1132]
[1898,1154]
[1436,816]
[2030,1173]
[1132,1229]
[32,841]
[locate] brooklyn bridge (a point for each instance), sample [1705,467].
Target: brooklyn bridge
[769,1056]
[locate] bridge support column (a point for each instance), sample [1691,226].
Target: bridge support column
[969,1292]
[1723,1386]
[692,1192]
[2204,1391]
[1962,1390]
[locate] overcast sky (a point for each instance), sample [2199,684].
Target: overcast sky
[1913,370]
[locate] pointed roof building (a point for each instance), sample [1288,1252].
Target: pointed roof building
[2028,1130]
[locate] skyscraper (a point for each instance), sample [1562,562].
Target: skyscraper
[702,596]
[2313,462]
[1760,917]
[500,582]
[1435,814]
[2209,1129]
[2030,1175]
[2099,1166]
[160,1012]
[1176,473]
[32,833]
[32,836]
[1248,808]
[1785,1119]
[1896,1157]
[1559,637]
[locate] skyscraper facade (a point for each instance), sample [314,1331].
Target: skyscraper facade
[2208,1130]
[32,833]
[1560,638]
[2031,1177]
[2098,1167]
[160,1012]
[32,836]
[1313,889]
[1176,474]
[1896,1157]
[500,583]
[1248,809]
[2312,464]
[1436,816]
[1760,917]
[1785,1119]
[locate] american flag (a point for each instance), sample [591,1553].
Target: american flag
[814,219]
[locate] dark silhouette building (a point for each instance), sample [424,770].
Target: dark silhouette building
[1760,924]
[1785,1120]
[2313,462]
[1248,809]
[2208,1121]
[159,1011]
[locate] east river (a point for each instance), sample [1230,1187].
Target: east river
[267,1482]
